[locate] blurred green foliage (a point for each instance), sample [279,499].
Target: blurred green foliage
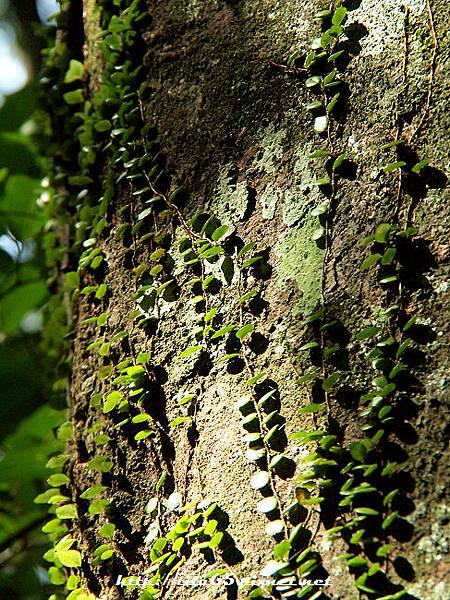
[27,419]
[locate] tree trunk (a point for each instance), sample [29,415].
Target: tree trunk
[181,328]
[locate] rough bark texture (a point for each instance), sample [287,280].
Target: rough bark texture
[236,135]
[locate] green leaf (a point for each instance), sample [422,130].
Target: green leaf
[244,331]
[307,435]
[329,77]
[100,463]
[246,249]
[312,407]
[357,536]
[391,144]
[335,55]
[339,160]
[339,15]
[104,349]
[56,576]
[65,432]
[309,346]
[102,125]
[211,252]
[358,451]
[190,351]
[314,105]
[409,323]
[19,212]
[67,511]
[321,123]
[46,497]
[389,520]
[58,479]
[209,316]
[267,505]
[74,97]
[112,400]
[227,357]
[389,168]
[382,232]
[363,510]
[330,381]
[383,551]
[276,460]
[408,232]
[17,108]
[321,209]
[309,60]
[367,333]
[72,280]
[141,418]
[322,14]
[247,296]
[75,71]
[251,261]
[57,462]
[223,331]
[281,550]
[141,435]
[260,480]
[420,165]
[269,435]
[318,233]
[403,347]
[177,544]
[93,491]
[312,81]
[101,291]
[357,562]
[257,377]
[219,232]
[210,527]
[388,256]
[216,539]
[161,480]
[179,421]
[186,399]
[318,154]
[143,358]
[69,558]
[52,526]
[370,261]
[96,262]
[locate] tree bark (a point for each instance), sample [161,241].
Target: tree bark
[230,119]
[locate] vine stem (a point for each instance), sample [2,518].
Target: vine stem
[399,129]
[260,420]
[431,72]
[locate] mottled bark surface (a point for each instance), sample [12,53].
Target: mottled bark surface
[236,135]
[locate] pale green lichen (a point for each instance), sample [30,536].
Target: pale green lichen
[193,9]
[298,197]
[230,199]
[383,20]
[283,21]
[301,260]
[271,149]
[304,194]
[269,199]
[432,550]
